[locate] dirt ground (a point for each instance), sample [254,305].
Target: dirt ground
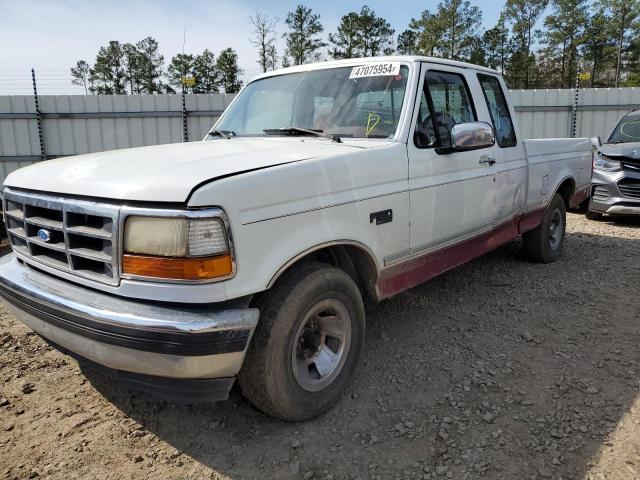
[499,369]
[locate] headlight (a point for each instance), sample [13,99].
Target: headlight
[176,248]
[602,162]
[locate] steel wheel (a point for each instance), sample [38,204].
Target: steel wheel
[321,345]
[556,229]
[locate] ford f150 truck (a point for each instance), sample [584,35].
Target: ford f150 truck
[251,254]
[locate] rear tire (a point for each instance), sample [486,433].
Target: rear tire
[304,352]
[545,243]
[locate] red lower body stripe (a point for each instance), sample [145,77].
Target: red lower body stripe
[579,197]
[410,273]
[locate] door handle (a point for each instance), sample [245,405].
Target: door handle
[488,160]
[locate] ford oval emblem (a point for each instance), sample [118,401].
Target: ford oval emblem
[44,235]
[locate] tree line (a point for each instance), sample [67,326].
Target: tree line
[126,68]
[599,38]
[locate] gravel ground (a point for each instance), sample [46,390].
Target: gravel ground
[498,369]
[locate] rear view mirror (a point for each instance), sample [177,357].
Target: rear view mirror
[472,136]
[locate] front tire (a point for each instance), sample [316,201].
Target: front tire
[307,344]
[545,243]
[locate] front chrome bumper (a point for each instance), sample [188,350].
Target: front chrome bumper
[606,197]
[141,338]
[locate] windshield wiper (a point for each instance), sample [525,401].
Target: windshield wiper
[301,131]
[226,134]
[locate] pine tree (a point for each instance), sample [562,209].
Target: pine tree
[108,75]
[599,46]
[361,34]
[150,66]
[494,48]
[227,65]
[347,42]
[429,31]
[564,34]
[451,32]
[375,32]
[407,43]
[205,73]
[132,65]
[461,22]
[624,15]
[522,15]
[633,78]
[303,43]
[181,67]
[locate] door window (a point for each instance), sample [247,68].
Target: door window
[499,111]
[445,102]
[425,135]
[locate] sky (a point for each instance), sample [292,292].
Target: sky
[52,35]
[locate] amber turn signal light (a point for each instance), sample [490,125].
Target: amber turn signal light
[173,268]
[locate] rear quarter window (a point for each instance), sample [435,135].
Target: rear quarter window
[498,110]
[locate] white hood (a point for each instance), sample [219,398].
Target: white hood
[165,173]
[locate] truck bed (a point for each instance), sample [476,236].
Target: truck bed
[551,161]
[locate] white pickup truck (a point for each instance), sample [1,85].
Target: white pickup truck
[251,254]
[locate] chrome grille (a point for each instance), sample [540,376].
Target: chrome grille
[600,193]
[78,237]
[629,189]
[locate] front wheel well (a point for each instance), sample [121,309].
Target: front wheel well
[354,260]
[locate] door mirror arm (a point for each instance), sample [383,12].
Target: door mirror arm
[445,150]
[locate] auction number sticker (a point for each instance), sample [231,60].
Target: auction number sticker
[375,70]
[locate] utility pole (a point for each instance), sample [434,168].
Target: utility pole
[43,154]
[576,97]
[185,126]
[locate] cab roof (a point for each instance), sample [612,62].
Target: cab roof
[360,61]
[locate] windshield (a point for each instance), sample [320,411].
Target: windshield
[357,102]
[628,130]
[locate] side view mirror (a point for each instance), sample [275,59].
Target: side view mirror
[469,136]
[596,141]
[472,135]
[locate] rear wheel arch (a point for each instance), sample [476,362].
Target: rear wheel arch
[566,189]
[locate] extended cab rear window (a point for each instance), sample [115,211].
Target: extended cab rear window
[499,111]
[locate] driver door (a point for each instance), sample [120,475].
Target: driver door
[452,195]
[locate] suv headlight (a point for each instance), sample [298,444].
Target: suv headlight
[602,162]
[176,248]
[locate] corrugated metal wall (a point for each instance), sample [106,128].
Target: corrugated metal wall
[543,113]
[18,133]
[549,113]
[76,124]
[601,108]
